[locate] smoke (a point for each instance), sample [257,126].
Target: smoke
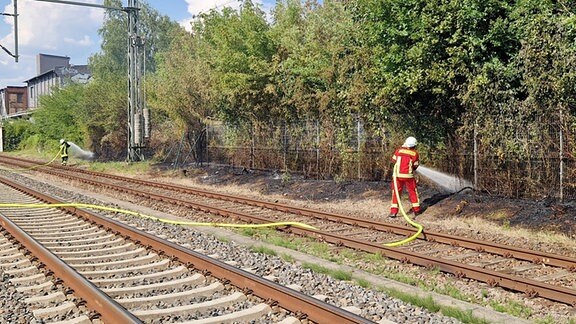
[78,152]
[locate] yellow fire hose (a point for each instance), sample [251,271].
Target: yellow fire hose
[418,226]
[163,220]
[168,221]
[35,166]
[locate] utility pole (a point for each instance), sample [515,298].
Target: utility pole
[138,115]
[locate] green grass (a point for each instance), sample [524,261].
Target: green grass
[250,232]
[288,258]
[363,283]
[463,316]
[429,304]
[452,291]
[426,302]
[123,167]
[336,274]
[223,239]
[263,250]
[376,257]
[513,308]
[379,267]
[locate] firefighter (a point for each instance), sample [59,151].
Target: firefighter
[64,151]
[406,161]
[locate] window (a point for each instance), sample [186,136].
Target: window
[20,98]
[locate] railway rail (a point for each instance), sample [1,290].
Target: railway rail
[534,273]
[123,274]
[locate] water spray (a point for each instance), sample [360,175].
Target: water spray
[78,152]
[445,181]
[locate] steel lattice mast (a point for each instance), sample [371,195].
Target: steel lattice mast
[136,113]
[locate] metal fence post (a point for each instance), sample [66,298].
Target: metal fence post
[284,144]
[317,150]
[252,147]
[475,156]
[358,147]
[561,162]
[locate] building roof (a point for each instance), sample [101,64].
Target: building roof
[62,71]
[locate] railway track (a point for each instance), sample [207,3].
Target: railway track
[531,272]
[124,275]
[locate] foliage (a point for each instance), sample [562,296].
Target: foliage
[17,133]
[451,72]
[424,53]
[238,49]
[60,116]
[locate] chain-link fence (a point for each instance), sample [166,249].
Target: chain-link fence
[543,168]
[306,148]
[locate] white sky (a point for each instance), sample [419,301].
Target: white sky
[69,30]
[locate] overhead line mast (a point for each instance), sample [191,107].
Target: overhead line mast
[138,116]
[15,15]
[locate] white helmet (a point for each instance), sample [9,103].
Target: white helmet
[410,142]
[61,141]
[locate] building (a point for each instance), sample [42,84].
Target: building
[13,101]
[53,71]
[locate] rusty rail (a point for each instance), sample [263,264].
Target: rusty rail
[309,307]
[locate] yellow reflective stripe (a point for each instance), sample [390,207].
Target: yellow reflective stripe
[409,152]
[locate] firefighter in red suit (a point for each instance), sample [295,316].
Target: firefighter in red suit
[405,163]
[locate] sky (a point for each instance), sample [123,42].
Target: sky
[71,30]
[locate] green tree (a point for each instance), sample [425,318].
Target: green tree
[60,116]
[239,49]
[425,52]
[19,134]
[181,90]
